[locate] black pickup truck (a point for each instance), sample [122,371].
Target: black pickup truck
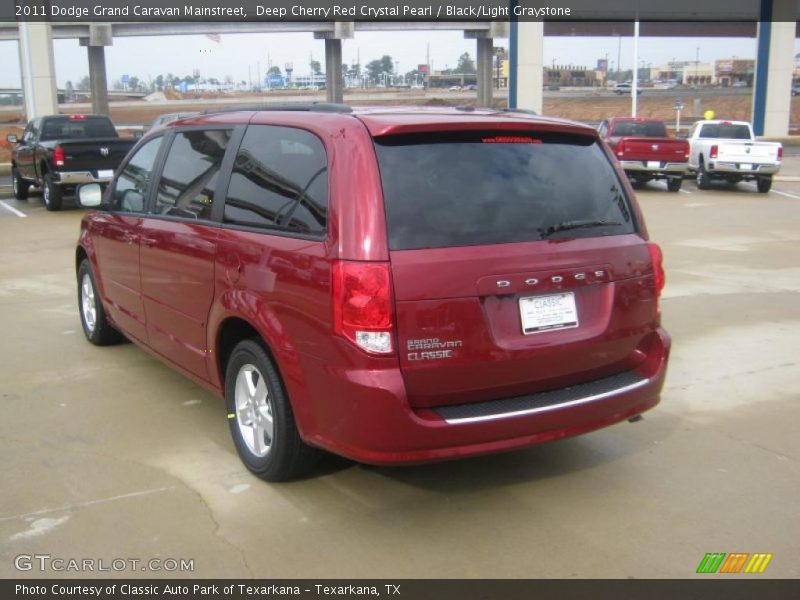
[59,152]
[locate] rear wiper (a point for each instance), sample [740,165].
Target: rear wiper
[566,225]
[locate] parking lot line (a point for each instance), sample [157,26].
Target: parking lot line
[11,209]
[684,191]
[787,194]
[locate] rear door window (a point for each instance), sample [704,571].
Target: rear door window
[725,131]
[77,127]
[454,189]
[279,181]
[189,178]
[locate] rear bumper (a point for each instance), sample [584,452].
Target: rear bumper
[364,415]
[715,168]
[665,168]
[79,177]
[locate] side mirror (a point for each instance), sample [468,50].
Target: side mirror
[12,139]
[90,195]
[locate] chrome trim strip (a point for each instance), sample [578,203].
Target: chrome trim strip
[531,411]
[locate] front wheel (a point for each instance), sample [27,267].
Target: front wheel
[764,184]
[52,194]
[674,183]
[96,327]
[261,418]
[20,186]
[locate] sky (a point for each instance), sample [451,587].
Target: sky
[147,57]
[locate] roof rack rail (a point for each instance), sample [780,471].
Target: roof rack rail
[286,106]
[525,111]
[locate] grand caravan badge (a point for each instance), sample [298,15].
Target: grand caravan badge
[432,348]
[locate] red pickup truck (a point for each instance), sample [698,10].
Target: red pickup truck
[645,150]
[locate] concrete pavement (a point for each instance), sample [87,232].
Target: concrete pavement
[108,453]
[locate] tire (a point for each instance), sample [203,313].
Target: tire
[703,180]
[674,183]
[764,184]
[96,327]
[21,187]
[51,193]
[261,418]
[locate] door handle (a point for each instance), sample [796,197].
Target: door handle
[130,238]
[148,241]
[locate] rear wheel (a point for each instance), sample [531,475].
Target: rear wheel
[96,326]
[674,183]
[21,187]
[52,194]
[764,184]
[261,418]
[703,180]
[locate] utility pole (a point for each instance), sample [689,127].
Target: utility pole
[619,56]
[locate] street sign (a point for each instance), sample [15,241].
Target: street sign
[125,79]
[678,104]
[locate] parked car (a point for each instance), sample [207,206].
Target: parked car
[645,150]
[59,152]
[625,88]
[447,290]
[170,117]
[728,151]
[795,90]
[454,88]
[471,87]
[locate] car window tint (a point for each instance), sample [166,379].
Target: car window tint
[463,189]
[639,129]
[279,181]
[187,183]
[133,182]
[725,131]
[76,128]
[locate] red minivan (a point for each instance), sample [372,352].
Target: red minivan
[392,285]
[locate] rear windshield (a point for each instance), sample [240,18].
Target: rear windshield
[67,128]
[444,190]
[725,132]
[634,129]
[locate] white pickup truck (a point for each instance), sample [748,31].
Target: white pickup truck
[727,150]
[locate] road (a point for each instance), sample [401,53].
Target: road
[108,453]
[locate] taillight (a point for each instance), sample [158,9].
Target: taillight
[362,305]
[58,157]
[714,151]
[657,259]
[780,152]
[621,148]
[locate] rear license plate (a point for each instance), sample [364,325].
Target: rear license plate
[105,174]
[746,167]
[653,164]
[545,313]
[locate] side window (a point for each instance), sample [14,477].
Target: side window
[187,183]
[133,183]
[603,129]
[279,181]
[27,135]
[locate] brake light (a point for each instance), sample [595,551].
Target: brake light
[58,157]
[362,305]
[621,148]
[657,260]
[510,139]
[77,117]
[714,151]
[780,152]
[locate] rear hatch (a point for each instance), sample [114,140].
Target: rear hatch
[653,149]
[747,152]
[96,154]
[516,262]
